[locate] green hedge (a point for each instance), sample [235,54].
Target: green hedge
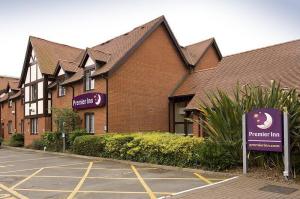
[219,155]
[88,145]
[158,148]
[16,140]
[53,141]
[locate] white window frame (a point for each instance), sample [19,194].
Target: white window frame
[34,126]
[89,119]
[61,91]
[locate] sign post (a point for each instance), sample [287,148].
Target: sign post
[266,130]
[245,160]
[286,156]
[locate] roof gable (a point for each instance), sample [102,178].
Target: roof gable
[48,54]
[121,47]
[195,52]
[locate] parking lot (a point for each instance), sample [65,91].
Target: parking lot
[26,174]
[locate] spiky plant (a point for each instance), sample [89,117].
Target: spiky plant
[222,116]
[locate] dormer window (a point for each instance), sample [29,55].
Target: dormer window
[61,91]
[89,81]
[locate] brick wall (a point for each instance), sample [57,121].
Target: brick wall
[44,124]
[6,116]
[66,102]
[139,89]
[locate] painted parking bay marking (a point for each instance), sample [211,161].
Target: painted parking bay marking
[7,193]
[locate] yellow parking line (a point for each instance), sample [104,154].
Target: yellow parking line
[146,187]
[46,190]
[48,167]
[81,181]
[30,159]
[203,178]
[22,181]
[20,196]
[91,191]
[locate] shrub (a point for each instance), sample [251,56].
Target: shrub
[37,144]
[223,117]
[1,140]
[152,147]
[116,145]
[52,141]
[70,137]
[16,140]
[88,145]
[219,155]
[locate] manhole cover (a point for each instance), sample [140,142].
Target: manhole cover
[278,189]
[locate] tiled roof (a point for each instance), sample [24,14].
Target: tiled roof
[279,62]
[49,53]
[69,66]
[4,98]
[15,95]
[119,46]
[98,55]
[5,80]
[194,81]
[74,78]
[194,52]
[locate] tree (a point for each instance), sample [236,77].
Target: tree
[66,119]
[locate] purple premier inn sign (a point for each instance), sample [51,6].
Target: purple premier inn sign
[89,100]
[264,130]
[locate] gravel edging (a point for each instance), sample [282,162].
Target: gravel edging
[125,162]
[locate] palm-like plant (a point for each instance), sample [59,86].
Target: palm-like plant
[222,115]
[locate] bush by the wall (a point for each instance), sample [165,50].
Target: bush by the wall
[1,140]
[16,140]
[70,137]
[219,155]
[158,148]
[52,141]
[37,144]
[88,145]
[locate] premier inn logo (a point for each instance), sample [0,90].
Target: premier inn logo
[89,100]
[263,120]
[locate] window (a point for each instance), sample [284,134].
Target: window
[61,91]
[9,126]
[33,126]
[89,122]
[181,124]
[34,92]
[89,82]
[10,103]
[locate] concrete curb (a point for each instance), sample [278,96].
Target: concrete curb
[141,164]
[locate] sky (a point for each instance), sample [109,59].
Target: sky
[237,25]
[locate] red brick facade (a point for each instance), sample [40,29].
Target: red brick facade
[138,90]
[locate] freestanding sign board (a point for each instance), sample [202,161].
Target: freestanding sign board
[89,100]
[264,130]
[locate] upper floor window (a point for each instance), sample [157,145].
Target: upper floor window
[34,92]
[61,91]
[10,103]
[89,81]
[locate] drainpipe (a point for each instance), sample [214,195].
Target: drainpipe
[106,84]
[15,116]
